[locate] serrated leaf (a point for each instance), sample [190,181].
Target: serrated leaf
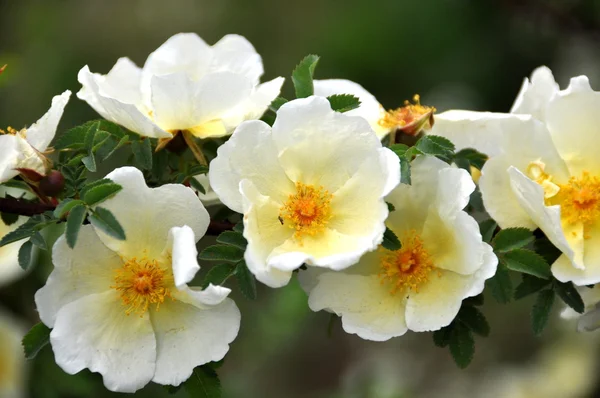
[90,135]
[197,185]
[546,249]
[233,238]
[541,310]
[25,254]
[441,337]
[474,320]
[487,229]
[74,221]
[239,227]
[246,280]
[399,149]
[142,153]
[103,219]
[462,345]
[9,218]
[529,285]
[474,157]
[277,103]
[218,274]
[569,294]
[203,383]
[38,240]
[501,285]
[100,193]
[122,141]
[302,76]
[405,171]
[197,169]
[65,206]
[222,253]
[436,146]
[512,238]
[36,339]
[94,184]
[343,102]
[22,232]
[390,240]
[527,261]
[89,162]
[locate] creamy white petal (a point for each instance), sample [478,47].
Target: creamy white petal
[573,120]
[94,332]
[147,214]
[123,82]
[318,146]
[534,95]
[256,104]
[184,255]
[188,336]
[41,133]
[486,271]
[87,269]
[236,54]
[127,115]
[9,155]
[366,306]
[234,162]
[409,213]
[370,109]
[564,269]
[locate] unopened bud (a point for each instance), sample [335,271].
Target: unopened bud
[52,184]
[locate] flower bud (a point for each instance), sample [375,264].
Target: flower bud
[52,184]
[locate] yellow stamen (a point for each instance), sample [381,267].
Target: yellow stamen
[11,131]
[411,118]
[307,211]
[142,283]
[536,171]
[407,268]
[580,199]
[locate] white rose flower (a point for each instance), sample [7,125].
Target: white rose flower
[311,188]
[12,361]
[419,287]
[24,149]
[123,308]
[185,86]
[545,171]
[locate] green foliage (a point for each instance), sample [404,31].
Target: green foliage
[501,285]
[541,310]
[302,76]
[546,249]
[512,238]
[25,254]
[228,253]
[462,344]
[74,221]
[487,229]
[343,102]
[271,112]
[239,227]
[527,261]
[38,240]
[390,240]
[22,232]
[100,192]
[204,383]
[529,285]
[65,206]
[441,337]
[36,339]
[569,295]
[103,219]
[218,274]
[390,206]
[474,319]
[142,153]
[436,146]
[233,238]
[9,218]
[469,156]
[246,280]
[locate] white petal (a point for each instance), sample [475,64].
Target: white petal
[234,162]
[409,213]
[188,336]
[573,121]
[367,308]
[236,54]
[182,247]
[209,296]
[87,269]
[534,96]
[565,270]
[437,302]
[127,115]
[123,82]
[42,132]
[531,197]
[318,146]
[9,155]
[147,214]
[486,271]
[94,332]
[370,109]
[257,103]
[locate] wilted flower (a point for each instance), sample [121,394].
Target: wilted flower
[419,287]
[311,188]
[23,150]
[123,308]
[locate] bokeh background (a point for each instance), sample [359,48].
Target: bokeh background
[470,54]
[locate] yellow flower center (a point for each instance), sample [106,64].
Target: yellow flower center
[142,283]
[408,115]
[307,211]
[9,130]
[407,268]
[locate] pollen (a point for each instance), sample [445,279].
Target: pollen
[411,118]
[407,268]
[142,283]
[9,130]
[580,199]
[307,211]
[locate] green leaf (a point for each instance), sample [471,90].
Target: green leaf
[218,274]
[441,337]
[462,345]
[390,206]
[222,253]
[527,261]
[38,240]
[501,285]
[529,285]
[89,162]
[22,232]
[277,103]
[546,249]
[100,193]
[90,134]
[203,383]
[475,158]
[487,229]
[25,254]
[246,280]
[196,185]
[405,171]
[569,294]
[239,227]
[399,149]
[94,184]
[302,77]
[74,221]
[35,340]
[106,222]
[436,146]
[65,206]
[475,300]
[142,153]
[9,218]
[233,238]
[343,102]
[541,310]
[390,240]
[474,320]
[121,142]
[512,238]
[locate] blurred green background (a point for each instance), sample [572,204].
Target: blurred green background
[469,54]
